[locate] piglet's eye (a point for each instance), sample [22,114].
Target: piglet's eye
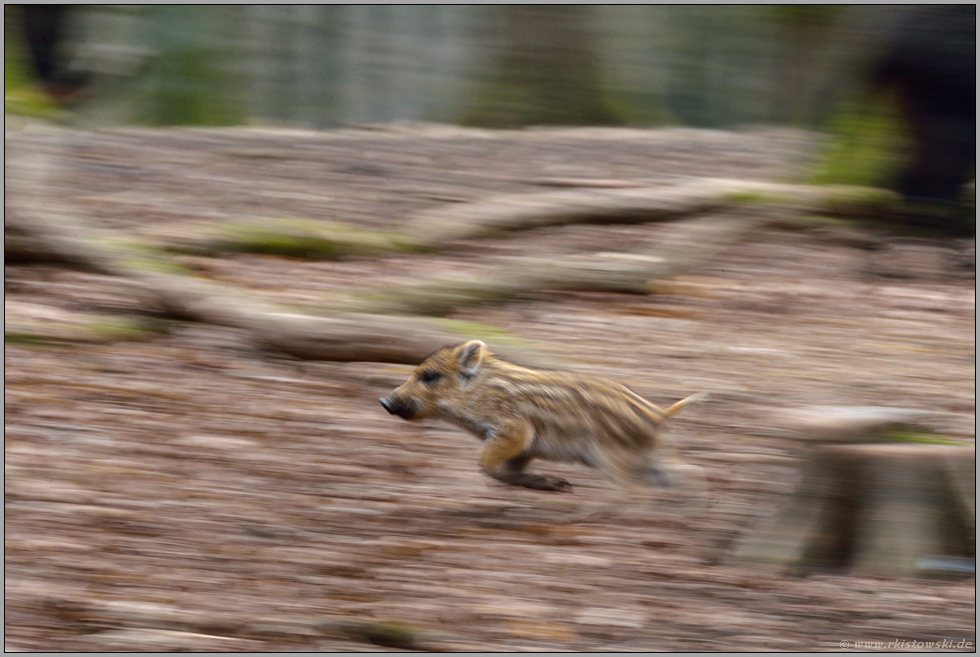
[430,376]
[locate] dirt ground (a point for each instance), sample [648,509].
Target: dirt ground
[184,492]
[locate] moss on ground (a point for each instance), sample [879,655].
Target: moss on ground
[292,237]
[97,330]
[921,437]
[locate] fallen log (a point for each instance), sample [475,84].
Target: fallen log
[444,227]
[297,238]
[686,245]
[359,333]
[340,337]
[344,337]
[516,212]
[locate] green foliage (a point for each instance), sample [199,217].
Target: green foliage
[191,87]
[867,145]
[20,96]
[27,101]
[15,67]
[192,78]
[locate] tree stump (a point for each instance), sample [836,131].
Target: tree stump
[877,508]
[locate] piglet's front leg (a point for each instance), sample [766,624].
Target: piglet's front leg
[503,457]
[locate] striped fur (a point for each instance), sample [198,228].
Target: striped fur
[521,414]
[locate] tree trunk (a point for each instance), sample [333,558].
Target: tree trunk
[876,510]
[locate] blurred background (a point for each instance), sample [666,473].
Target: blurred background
[230,229]
[891,83]
[322,66]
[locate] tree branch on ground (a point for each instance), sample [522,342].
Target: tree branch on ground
[687,245]
[341,337]
[516,212]
[376,328]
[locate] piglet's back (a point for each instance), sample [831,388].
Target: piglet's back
[574,404]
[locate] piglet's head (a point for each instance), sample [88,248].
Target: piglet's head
[438,380]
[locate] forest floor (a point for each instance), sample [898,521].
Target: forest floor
[182,491]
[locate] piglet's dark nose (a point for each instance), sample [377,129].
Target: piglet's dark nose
[388,405]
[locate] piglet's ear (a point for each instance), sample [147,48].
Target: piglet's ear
[470,356]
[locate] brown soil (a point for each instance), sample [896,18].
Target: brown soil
[183,492]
